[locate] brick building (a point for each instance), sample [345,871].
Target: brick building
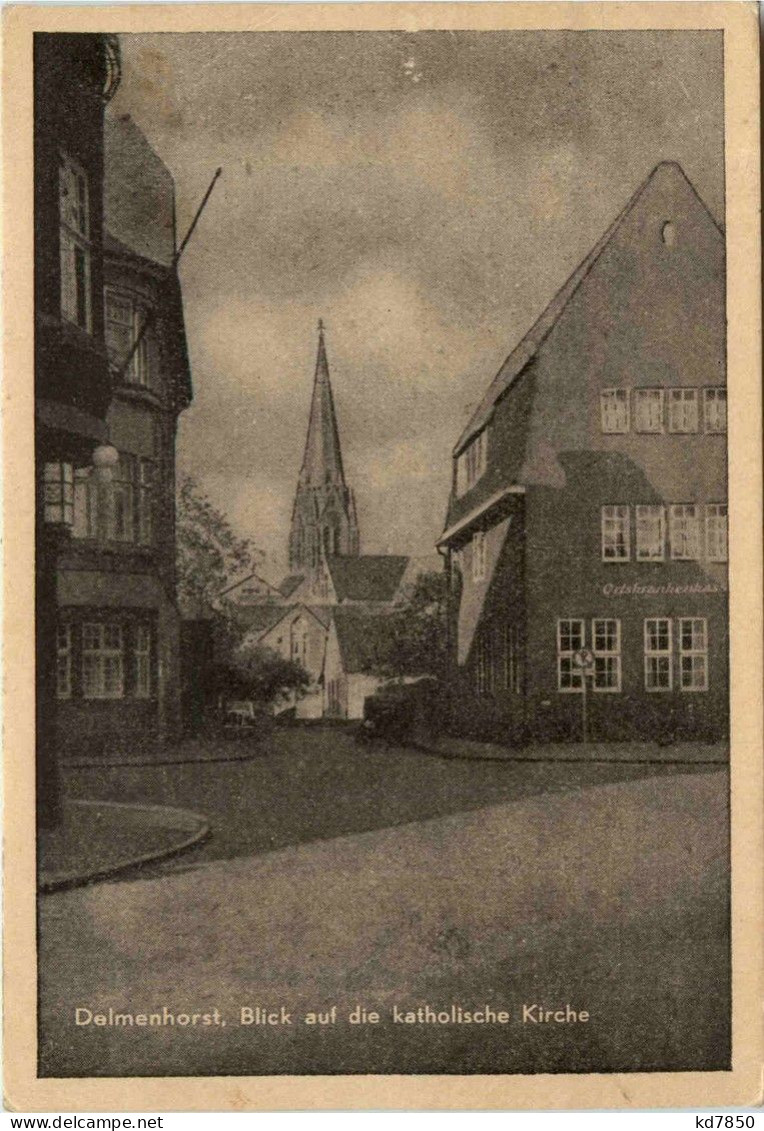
[118,634]
[589,499]
[74,78]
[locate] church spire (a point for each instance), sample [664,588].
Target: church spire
[324,520]
[322,461]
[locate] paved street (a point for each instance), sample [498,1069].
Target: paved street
[602,888]
[308,784]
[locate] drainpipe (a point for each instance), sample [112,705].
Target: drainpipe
[448,673]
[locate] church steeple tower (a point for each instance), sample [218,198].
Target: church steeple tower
[323,517]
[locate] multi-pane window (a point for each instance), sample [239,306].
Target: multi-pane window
[478,555]
[693,654]
[615,534]
[483,663]
[74,243]
[570,639]
[684,532]
[142,657]
[683,410]
[299,642]
[59,493]
[121,510]
[125,318]
[102,661]
[472,462]
[85,503]
[120,525]
[614,410]
[715,410]
[606,645]
[650,533]
[716,532]
[648,410]
[64,661]
[658,665]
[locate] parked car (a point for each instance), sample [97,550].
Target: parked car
[401,712]
[246,717]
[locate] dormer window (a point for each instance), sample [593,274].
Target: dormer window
[471,463]
[74,243]
[125,318]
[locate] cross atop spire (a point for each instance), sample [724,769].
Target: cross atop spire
[322,462]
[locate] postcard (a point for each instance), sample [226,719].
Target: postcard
[383,639]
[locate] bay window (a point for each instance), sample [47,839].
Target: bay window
[125,318]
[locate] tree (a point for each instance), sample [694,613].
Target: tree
[210,554]
[261,674]
[418,628]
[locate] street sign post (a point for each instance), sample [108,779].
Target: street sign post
[584,659]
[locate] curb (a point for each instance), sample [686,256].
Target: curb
[453,755]
[197,829]
[107,763]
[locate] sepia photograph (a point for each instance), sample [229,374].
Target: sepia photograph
[382,641]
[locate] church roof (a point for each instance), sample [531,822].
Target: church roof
[322,461]
[368,577]
[365,640]
[289,584]
[258,618]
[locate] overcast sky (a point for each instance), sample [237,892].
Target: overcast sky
[426,194]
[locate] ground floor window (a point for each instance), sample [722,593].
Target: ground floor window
[105,657]
[693,654]
[688,637]
[606,645]
[142,661]
[658,655]
[64,661]
[604,641]
[570,639]
[103,672]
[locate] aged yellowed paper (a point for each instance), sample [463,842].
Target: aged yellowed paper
[383,634]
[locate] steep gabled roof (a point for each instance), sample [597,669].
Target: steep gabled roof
[365,640]
[368,577]
[527,348]
[322,461]
[250,577]
[260,618]
[289,584]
